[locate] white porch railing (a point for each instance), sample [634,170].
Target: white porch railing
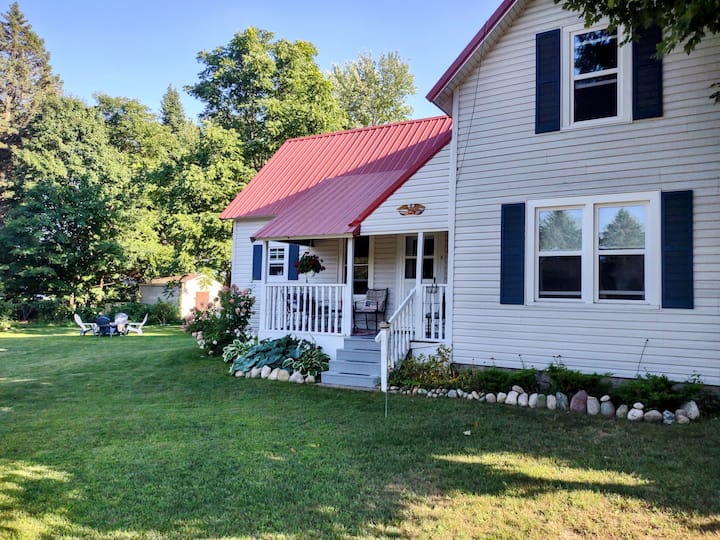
[315,309]
[409,323]
[433,312]
[395,337]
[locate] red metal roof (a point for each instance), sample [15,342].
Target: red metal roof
[466,53]
[325,185]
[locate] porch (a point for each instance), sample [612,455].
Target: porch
[331,307]
[360,356]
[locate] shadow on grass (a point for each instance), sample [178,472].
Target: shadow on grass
[157,441]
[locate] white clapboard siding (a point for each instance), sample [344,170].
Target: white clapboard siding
[330,251]
[501,160]
[428,186]
[242,260]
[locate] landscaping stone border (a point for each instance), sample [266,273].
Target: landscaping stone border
[579,403]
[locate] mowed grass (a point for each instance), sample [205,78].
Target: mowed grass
[143,437]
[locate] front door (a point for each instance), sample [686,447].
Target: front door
[409,262]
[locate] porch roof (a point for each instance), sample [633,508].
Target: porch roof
[325,185]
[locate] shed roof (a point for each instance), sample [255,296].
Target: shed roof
[170,279]
[325,185]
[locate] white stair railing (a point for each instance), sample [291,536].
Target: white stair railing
[395,336]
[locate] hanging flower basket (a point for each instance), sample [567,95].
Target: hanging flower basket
[309,263]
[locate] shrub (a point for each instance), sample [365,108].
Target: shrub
[312,361]
[226,318]
[137,310]
[569,381]
[657,392]
[275,353]
[427,372]
[236,349]
[163,313]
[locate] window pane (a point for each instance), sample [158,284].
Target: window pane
[622,277]
[361,272]
[428,270]
[360,286]
[560,277]
[362,247]
[561,230]
[621,227]
[596,98]
[595,51]
[275,270]
[410,271]
[410,246]
[429,247]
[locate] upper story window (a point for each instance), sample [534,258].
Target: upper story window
[596,69]
[595,249]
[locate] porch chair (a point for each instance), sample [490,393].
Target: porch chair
[136,327]
[85,327]
[374,304]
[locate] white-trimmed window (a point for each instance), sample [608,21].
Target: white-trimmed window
[277,261]
[596,76]
[594,250]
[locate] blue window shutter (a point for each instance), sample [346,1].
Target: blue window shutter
[257,262]
[677,249]
[647,75]
[547,81]
[512,254]
[293,255]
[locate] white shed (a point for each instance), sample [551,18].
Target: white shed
[188,292]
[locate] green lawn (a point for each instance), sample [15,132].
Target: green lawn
[142,437]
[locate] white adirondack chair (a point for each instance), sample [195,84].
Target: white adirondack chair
[84,326]
[136,327]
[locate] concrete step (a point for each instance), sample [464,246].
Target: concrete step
[355,368]
[361,344]
[357,355]
[353,381]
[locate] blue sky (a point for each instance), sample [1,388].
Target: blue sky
[135,48]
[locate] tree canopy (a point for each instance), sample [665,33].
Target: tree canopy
[268,91]
[26,78]
[373,92]
[62,236]
[683,22]
[96,198]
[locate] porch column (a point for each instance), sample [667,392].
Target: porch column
[263,287]
[418,286]
[347,321]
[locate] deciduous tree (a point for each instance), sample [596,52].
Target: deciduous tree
[62,236]
[373,92]
[268,91]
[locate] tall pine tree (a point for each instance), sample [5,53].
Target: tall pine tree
[172,113]
[25,80]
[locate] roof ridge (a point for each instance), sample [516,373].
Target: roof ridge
[367,128]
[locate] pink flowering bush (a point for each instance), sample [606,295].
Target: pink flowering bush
[223,320]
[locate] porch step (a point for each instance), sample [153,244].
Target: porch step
[349,381]
[357,364]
